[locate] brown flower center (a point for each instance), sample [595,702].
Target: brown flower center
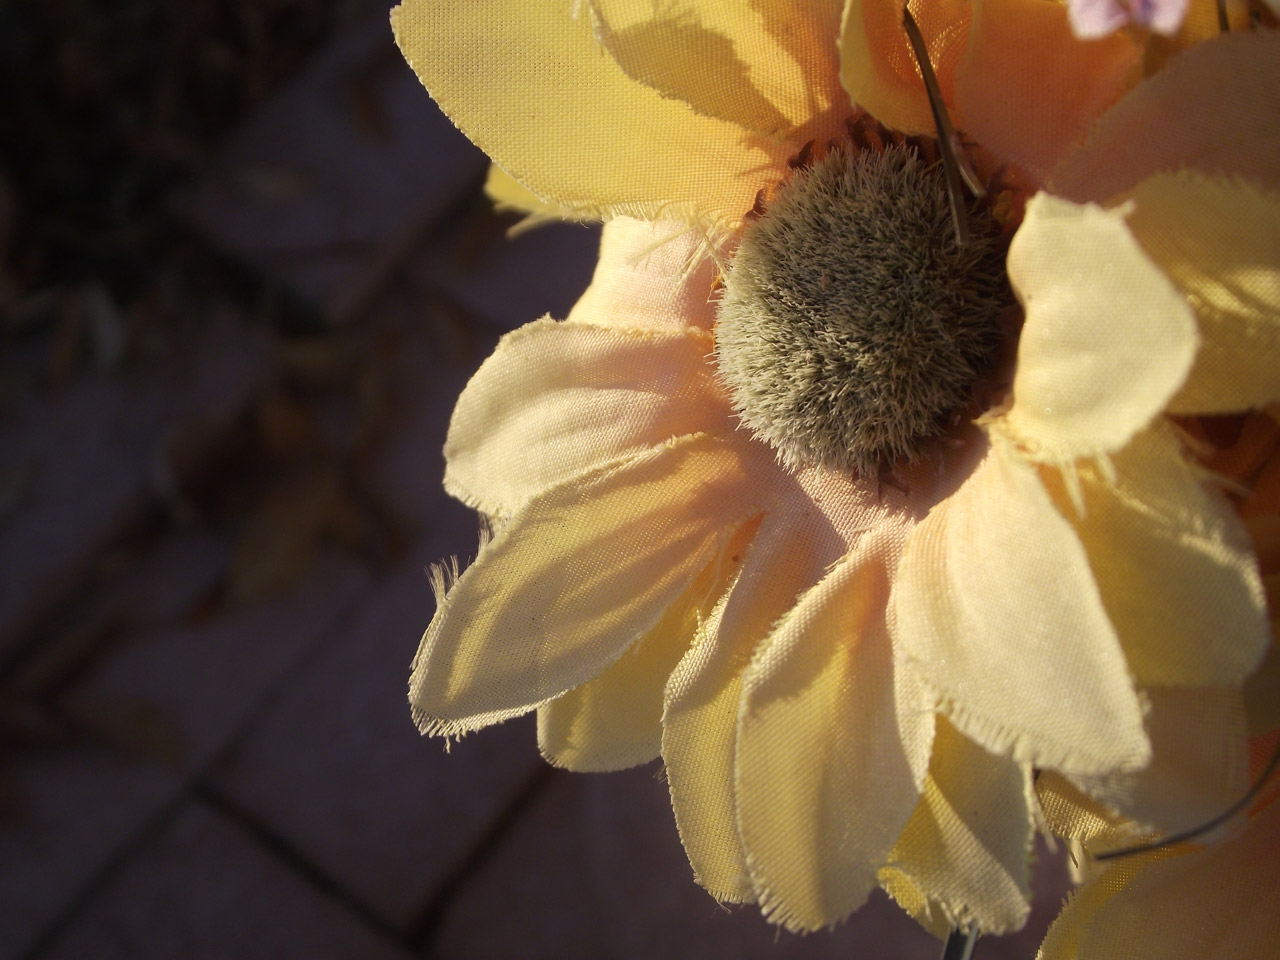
[853,325]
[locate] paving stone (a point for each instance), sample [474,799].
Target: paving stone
[338,770]
[595,870]
[167,701]
[512,280]
[437,351]
[328,186]
[203,889]
[73,810]
[93,453]
[205,677]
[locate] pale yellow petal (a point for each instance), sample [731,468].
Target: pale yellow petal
[1221,902]
[1107,339]
[967,846]
[810,523]
[509,195]
[529,83]
[1211,109]
[650,274]
[615,720]
[702,699]
[1027,90]
[998,612]
[1074,815]
[1174,565]
[1199,761]
[1062,942]
[829,765]
[768,66]
[1218,240]
[579,574]
[557,399]
[878,69]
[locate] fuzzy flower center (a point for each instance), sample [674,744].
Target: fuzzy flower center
[853,326]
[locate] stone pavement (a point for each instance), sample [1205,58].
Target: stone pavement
[241,779]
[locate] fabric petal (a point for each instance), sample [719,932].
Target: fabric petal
[615,721]
[967,846]
[878,68]
[995,577]
[1072,814]
[529,83]
[574,578]
[1028,90]
[768,67]
[795,546]
[1174,566]
[1062,942]
[1199,763]
[650,274]
[1217,903]
[828,764]
[508,193]
[1107,338]
[558,399]
[1218,240]
[1211,109]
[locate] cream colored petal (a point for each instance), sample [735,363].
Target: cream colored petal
[1199,764]
[529,83]
[998,612]
[1027,90]
[1218,240]
[967,846]
[829,764]
[1107,338]
[1174,565]
[1218,903]
[650,275]
[615,720]
[574,578]
[1211,109]
[796,544]
[878,69]
[768,66]
[557,399]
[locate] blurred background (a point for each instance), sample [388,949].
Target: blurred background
[245,269]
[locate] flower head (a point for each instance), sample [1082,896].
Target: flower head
[850,675]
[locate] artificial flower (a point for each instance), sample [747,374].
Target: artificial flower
[1198,899]
[850,677]
[1097,18]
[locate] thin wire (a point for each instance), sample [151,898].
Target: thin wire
[959,945]
[1217,821]
[948,143]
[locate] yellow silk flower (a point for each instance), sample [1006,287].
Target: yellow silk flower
[1195,900]
[849,682]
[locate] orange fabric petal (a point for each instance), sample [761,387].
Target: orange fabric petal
[1028,89]
[878,68]
[1213,109]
